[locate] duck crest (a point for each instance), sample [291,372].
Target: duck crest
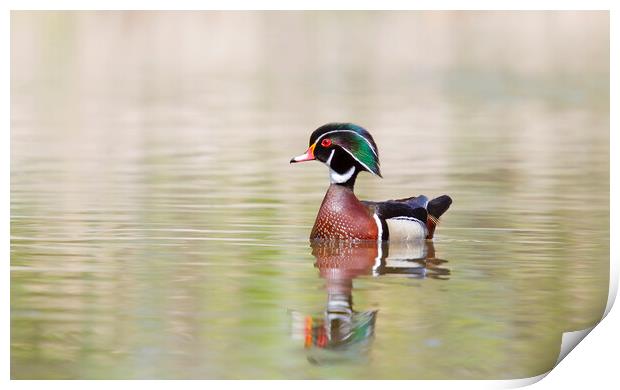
[343,216]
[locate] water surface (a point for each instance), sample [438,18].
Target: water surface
[158,231]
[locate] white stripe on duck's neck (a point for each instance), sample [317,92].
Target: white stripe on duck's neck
[337,178]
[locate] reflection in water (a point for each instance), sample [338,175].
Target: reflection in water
[342,333]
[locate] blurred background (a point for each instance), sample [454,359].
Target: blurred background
[158,230]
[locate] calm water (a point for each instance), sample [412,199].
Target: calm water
[158,231]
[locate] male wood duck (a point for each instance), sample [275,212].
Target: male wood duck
[347,150]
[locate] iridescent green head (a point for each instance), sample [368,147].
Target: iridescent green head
[345,148]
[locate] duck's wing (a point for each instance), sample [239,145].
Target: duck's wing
[399,221]
[409,218]
[394,209]
[414,201]
[414,207]
[436,207]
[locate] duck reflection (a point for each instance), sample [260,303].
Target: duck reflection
[341,333]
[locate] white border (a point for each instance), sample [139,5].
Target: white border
[593,359]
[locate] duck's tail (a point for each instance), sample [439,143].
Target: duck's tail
[436,208]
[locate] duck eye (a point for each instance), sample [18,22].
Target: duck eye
[326,142]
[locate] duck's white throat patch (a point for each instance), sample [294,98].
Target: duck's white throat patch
[338,178]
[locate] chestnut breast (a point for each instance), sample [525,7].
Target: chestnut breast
[343,216]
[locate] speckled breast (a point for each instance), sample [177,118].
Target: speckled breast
[343,216]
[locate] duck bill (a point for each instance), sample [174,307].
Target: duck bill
[308,156]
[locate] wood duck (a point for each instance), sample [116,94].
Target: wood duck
[347,150]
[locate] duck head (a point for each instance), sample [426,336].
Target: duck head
[347,150]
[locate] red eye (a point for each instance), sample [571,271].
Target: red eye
[326,142]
